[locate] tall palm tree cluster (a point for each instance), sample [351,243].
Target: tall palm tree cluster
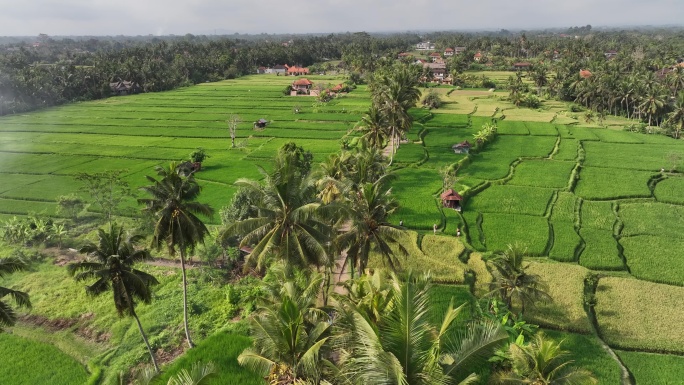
[109,265]
[327,218]
[625,87]
[380,332]
[394,90]
[383,330]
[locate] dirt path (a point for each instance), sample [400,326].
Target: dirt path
[65,256]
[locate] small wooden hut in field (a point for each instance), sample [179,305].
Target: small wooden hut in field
[260,124]
[451,199]
[461,148]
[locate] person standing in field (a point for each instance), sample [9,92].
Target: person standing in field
[434,228]
[458,232]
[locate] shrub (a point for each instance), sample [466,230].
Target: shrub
[199,155]
[70,205]
[432,100]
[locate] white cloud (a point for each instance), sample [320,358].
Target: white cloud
[133,17]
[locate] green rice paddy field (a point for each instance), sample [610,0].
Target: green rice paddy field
[581,198]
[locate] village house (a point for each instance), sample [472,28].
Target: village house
[279,69]
[420,61]
[521,66]
[124,87]
[301,86]
[438,71]
[585,74]
[610,54]
[261,70]
[297,71]
[477,57]
[449,52]
[435,56]
[404,55]
[459,50]
[304,87]
[425,46]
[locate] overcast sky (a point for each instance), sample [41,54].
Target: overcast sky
[142,17]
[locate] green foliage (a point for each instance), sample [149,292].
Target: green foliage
[543,361]
[432,100]
[70,205]
[108,189]
[199,155]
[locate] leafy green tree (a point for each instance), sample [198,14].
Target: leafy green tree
[512,283]
[432,100]
[107,189]
[8,317]
[676,117]
[404,346]
[70,205]
[542,362]
[110,263]
[175,209]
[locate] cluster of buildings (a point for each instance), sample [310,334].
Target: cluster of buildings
[305,87]
[284,69]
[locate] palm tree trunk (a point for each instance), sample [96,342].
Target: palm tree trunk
[185,297]
[142,333]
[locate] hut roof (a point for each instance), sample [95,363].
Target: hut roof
[302,82]
[451,195]
[464,143]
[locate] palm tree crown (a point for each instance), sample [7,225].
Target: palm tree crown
[173,205]
[8,316]
[403,345]
[110,263]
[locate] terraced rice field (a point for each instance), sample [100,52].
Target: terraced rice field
[596,199]
[41,152]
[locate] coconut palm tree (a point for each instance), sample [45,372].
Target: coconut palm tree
[512,283]
[676,117]
[405,346]
[369,229]
[8,317]
[199,374]
[177,225]
[542,362]
[373,127]
[291,224]
[290,333]
[110,263]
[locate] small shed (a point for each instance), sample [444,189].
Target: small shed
[451,199]
[261,123]
[461,148]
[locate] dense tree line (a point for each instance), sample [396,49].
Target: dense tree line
[61,71]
